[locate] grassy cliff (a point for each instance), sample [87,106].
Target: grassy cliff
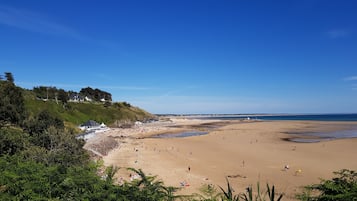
[77,113]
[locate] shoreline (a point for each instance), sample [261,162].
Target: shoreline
[246,152]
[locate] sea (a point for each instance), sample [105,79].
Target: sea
[281,117]
[311,137]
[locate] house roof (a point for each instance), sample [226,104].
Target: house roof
[91,123]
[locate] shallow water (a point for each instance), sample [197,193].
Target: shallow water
[306,117]
[312,137]
[323,136]
[181,134]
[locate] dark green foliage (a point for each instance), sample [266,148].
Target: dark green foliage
[207,193]
[35,153]
[44,92]
[28,180]
[107,104]
[64,149]
[96,94]
[126,104]
[340,188]
[11,103]
[42,122]
[38,126]
[250,195]
[62,96]
[24,180]
[271,194]
[110,173]
[259,195]
[9,77]
[228,195]
[148,188]
[12,141]
[51,93]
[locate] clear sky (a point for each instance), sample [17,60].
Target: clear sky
[189,56]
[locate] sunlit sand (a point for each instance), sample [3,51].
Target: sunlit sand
[245,152]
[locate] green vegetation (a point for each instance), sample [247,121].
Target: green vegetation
[86,94]
[40,159]
[72,107]
[340,188]
[250,195]
[11,102]
[96,94]
[77,113]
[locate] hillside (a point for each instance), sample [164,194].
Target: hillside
[74,113]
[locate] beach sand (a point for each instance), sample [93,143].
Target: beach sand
[246,152]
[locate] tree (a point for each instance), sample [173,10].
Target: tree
[96,94]
[62,96]
[12,108]
[40,92]
[9,77]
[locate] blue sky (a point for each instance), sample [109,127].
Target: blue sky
[189,56]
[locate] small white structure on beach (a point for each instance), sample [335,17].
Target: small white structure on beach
[88,125]
[92,125]
[138,123]
[91,128]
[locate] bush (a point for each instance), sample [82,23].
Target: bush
[341,188]
[12,141]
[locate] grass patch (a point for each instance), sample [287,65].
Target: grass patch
[77,113]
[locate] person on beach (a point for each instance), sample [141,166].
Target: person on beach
[189,168]
[286,167]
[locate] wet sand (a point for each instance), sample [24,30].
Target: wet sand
[245,152]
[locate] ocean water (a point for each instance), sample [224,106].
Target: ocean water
[309,117]
[325,136]
[316,136]
[307,137]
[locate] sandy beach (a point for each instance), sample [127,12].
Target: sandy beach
[245,152]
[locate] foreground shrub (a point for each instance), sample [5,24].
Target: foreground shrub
[210,194]
[341,188]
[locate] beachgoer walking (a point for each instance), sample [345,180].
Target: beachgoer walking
[189,168]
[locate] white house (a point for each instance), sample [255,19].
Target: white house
[93,126]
